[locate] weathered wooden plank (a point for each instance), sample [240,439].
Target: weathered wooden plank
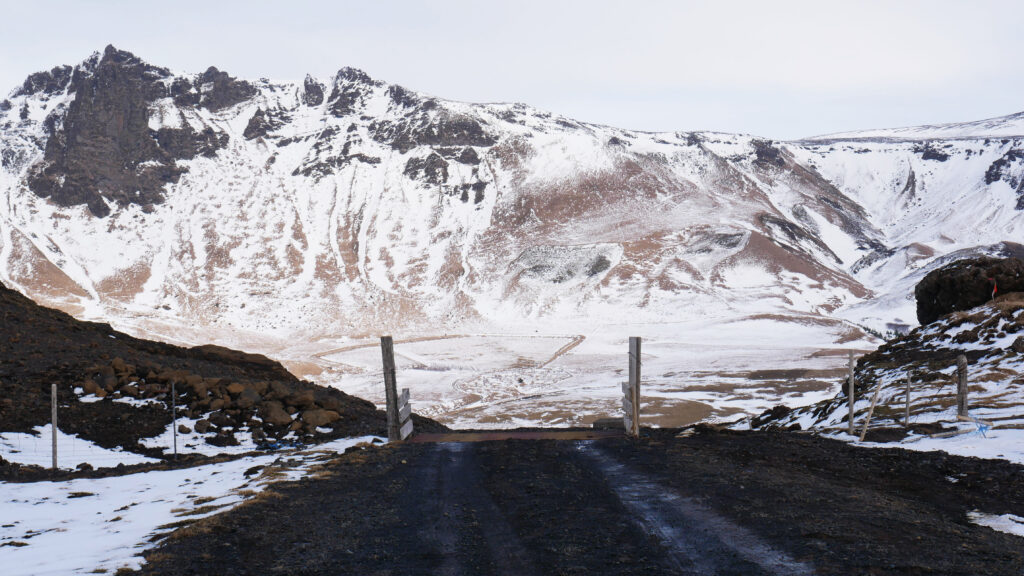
[961,385]
[874,400]
[387,351]
[634,381]
[405,431]
[975,420]
[404,413]
[403,398]
[627,388]
[627,406]
[906,406]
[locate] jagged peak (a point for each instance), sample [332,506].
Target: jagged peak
[350,74]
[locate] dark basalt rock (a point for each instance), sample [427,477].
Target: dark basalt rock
[224,90]
[930,152]
[263,122]
[213,90]
[767,155]
[433,169]
[1000,170]
[351,86]
[402,97]
[51,82]
[469,156]
[965,284]
[313,92]
[102,150]
[422,130]
[5,105]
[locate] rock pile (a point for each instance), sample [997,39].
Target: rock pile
[270,409]
[966,284]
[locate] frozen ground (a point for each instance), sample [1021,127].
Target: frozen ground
[71,450]
[692,371]
[89,526]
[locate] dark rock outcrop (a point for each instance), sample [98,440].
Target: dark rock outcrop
[264,122]
[433,169]
[766,154]
[213,90]
[424,129]
[102,149]
[313,92]
[965,284]
[51,82]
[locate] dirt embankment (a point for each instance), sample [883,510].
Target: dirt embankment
[751,503]
[226,390]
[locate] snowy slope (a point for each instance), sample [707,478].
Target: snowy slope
[1000,127]
[295,218]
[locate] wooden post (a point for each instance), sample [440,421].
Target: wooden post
[874,399]
[53,422]
[174,417]
[850,394]
[634,385]
[387,350]
[404,415]
[906,410]
[627,408]
[961,385]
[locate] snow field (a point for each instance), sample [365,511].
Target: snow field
[89,525]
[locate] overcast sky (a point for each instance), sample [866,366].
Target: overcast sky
[772,68]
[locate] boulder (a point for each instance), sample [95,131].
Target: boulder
[319,417]
[302,399]
[182,429]
[221,419]
[273,413]
[118,365]
[278,391]
[235,388]
[965,284]
[90,387]
[107,379]
[202,426]
[1018,345]
[223,438]
[199,389]
[248,398]
[217,404]
[130,390]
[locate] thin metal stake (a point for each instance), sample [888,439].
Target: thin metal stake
[174,417]
[53,421]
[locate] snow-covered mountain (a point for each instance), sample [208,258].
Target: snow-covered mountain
[201,206]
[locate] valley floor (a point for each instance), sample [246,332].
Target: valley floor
[711,502]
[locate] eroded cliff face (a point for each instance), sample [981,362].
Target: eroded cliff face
[103,150]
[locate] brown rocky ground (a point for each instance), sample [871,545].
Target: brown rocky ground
[226,389]
[562,507]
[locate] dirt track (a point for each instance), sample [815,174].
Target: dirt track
[713,503]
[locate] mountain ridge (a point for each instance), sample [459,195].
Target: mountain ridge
[285,213]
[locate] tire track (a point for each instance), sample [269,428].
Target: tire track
[701,541]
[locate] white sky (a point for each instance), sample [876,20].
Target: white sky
[781,69]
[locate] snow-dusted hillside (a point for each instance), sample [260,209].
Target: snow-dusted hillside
[295,219]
